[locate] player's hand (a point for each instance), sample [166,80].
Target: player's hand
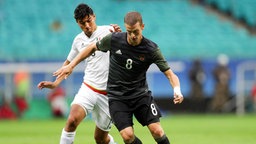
[46,84]
[178,97]
[64,71]
[116,28]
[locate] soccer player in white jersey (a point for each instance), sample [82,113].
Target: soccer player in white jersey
[91,97]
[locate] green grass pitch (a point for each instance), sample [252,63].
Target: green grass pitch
[181,129]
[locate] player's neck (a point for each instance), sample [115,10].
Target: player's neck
[94,29]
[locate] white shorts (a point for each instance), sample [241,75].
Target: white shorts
[96,104]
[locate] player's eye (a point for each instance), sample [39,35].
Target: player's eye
[89,20]
[81,22]
[136,32]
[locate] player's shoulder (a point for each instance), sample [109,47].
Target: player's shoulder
[119,34]
[79,36]
[149,43]
[118,37]
[105,27]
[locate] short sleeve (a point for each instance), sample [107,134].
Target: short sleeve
[160,61]
[74,50]
[105,43]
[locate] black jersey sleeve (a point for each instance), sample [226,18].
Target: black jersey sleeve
[104,43]
[160,61]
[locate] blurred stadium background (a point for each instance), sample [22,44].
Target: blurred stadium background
[36,36]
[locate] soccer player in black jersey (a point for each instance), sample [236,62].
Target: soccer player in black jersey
[131,54]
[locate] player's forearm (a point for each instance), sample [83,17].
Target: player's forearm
[83,55]
[173,78]
[58,81]
[66,62]
[175,82]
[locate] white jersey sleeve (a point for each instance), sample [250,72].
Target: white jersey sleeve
[74,49]
[96,71]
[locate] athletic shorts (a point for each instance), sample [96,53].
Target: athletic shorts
[96,104]
[143,108]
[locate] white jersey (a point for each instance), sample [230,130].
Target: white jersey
[96,71]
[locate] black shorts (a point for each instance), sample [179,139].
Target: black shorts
[143,108]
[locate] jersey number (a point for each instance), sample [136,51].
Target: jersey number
[153,109]
[128,64]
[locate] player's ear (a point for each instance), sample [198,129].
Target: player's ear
[142,26]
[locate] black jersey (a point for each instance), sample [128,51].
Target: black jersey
[128,65]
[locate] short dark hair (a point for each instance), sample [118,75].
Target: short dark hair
[132,18]
[82,10]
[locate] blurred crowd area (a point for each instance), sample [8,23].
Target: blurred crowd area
[17,103]
[210,44]
[43,30]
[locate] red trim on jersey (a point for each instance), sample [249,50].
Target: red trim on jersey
[96,90]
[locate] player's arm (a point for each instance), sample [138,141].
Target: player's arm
[50,84]
[171,76]
[103,45]
[65,71]
[175,83]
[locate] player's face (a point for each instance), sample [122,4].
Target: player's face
[87,24]
[134,33]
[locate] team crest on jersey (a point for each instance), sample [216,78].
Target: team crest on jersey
[98,39]
[142,57]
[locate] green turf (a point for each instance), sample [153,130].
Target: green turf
[181,129]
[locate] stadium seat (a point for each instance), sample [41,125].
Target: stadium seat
[181,29]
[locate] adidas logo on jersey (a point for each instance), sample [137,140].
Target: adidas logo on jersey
[118,52]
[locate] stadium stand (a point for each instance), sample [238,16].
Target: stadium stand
[238,9]
[181,29]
